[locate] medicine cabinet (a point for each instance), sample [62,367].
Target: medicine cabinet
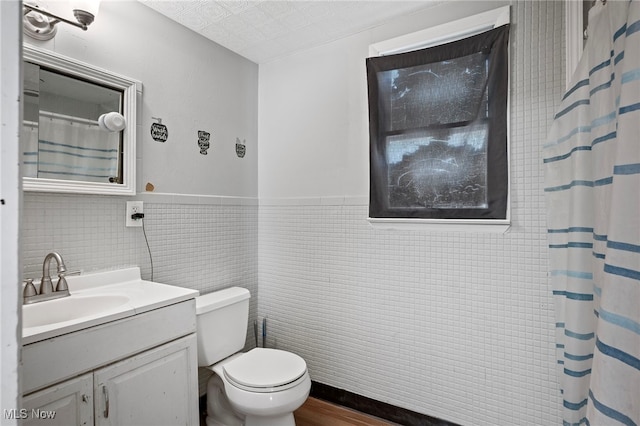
[63,148]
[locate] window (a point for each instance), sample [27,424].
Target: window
[576,24]
[438,130]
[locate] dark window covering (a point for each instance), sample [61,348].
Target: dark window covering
[438,130]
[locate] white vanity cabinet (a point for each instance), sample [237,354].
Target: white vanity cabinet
[66,404]
[138,370]
[153,388]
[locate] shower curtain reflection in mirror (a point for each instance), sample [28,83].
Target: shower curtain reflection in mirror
[61,137]
[68,148]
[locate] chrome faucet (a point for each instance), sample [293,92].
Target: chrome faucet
[46,286]
[47,291]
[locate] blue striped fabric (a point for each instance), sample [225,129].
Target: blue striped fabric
[592,187]
[72,151]
[76,161]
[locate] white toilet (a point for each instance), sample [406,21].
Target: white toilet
[261,387]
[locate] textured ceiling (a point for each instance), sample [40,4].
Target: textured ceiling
[262,30]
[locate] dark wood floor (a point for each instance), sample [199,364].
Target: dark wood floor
[315,412]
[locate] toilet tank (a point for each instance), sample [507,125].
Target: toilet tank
[221,318]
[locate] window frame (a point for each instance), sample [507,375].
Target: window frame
[576,25]
[430,37]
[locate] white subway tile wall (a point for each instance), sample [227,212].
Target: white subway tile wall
[205,247]
[459,326]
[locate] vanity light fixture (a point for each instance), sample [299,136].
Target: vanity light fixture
[40,24]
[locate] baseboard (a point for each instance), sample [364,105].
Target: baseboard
[372,407]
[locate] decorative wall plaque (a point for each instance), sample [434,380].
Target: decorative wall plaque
[240,147]
[159,131]
[203,141]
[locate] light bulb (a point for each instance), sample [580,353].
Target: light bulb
[85,11]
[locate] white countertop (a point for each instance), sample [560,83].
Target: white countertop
[134,296]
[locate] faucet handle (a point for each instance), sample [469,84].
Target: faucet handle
[29,288]
[62,283]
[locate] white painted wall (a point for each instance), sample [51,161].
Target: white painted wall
[188,81]
[313,138]
[456,325]
[10,125]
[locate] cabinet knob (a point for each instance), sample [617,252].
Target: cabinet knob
[85,398]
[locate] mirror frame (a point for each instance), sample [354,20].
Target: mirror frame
[130,88]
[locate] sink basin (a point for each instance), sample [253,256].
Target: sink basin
[69,308]
[96,299]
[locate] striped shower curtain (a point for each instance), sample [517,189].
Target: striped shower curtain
[592,187]
[75,150]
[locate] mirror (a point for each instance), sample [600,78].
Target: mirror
[64,147]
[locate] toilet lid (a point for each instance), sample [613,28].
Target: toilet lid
[265,368]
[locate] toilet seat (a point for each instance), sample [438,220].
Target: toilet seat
[265,370]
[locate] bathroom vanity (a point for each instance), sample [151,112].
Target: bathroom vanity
[131,359]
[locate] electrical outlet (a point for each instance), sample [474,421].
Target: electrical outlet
[133,207]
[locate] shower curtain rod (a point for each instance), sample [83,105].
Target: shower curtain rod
[70,118]
[30,123]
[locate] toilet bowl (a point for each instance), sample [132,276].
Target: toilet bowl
[261,387]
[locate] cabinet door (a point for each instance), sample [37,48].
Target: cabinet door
[157,387]
[66,404]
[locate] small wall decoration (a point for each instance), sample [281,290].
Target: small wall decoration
[240,147]
[203,141]
[159,131]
